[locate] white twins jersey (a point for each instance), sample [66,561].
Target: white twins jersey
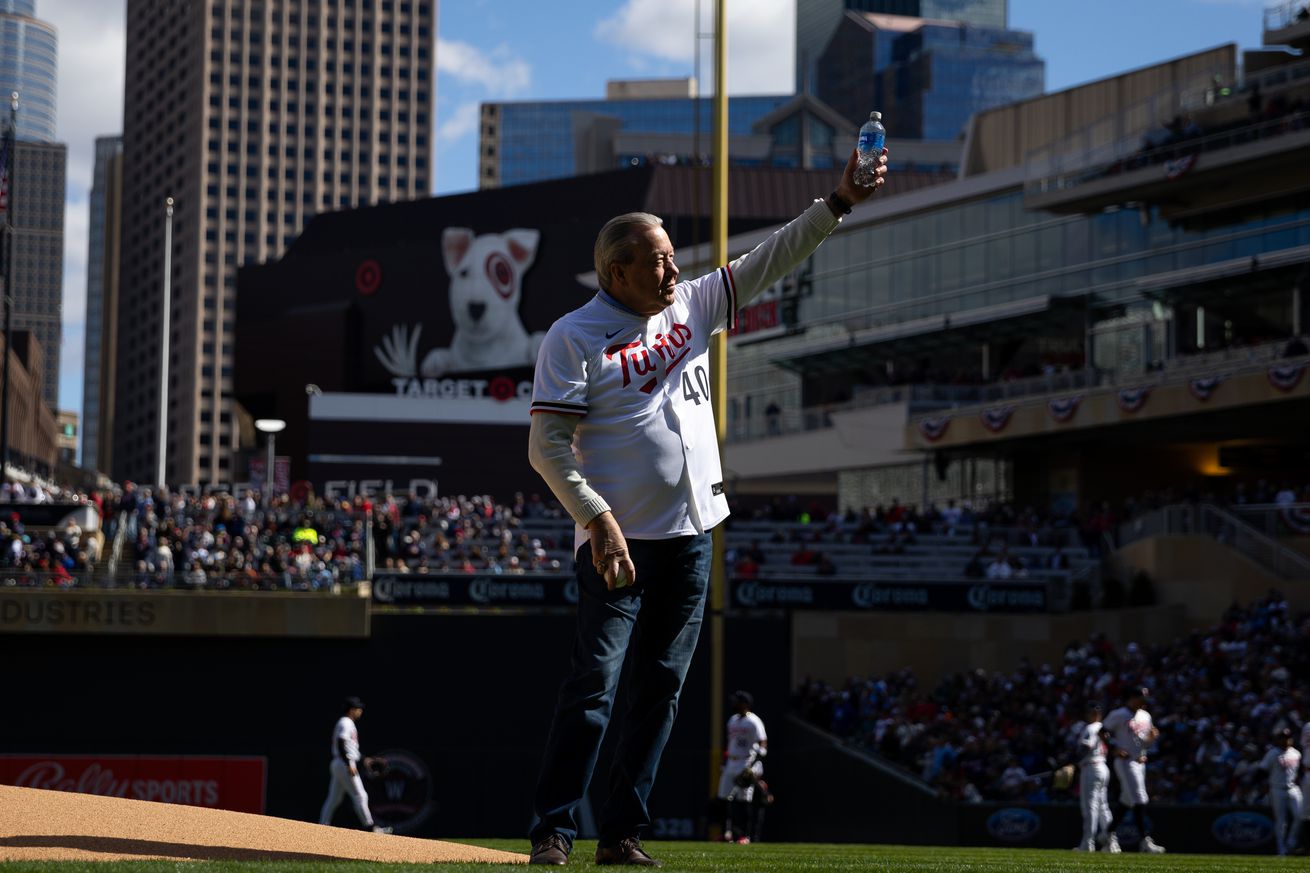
[1281,765]
[744,732]
[1130,730]
[642,387]
[1091,748]
[346,730]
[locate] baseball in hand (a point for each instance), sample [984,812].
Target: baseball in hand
[621,579]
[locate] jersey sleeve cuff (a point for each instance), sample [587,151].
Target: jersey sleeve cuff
[557,406]
[821,217]
[588,510]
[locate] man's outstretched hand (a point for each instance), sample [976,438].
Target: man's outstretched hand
[853,193]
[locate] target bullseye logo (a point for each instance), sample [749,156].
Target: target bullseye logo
[368,277]
[501,388]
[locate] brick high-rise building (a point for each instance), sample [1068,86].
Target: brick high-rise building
[253,115]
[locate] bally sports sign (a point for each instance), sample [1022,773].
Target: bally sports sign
[217,782]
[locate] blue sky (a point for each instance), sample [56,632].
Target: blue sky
[557,49]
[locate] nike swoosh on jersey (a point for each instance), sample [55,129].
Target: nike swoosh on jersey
[613,334]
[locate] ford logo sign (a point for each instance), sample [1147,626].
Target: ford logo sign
[1242,830]
[1014,825]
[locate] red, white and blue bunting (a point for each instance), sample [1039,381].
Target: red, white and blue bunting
[1297,519]
[933,429]
[1132,399]
[1286,377]
[1178,166]
[1063,408]
[1203,389]
[996,418]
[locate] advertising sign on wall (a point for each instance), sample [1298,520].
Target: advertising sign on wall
[417,327]
[834,594]
[217,782]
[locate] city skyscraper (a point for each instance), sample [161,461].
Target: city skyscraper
[29,51]
[253,117]
[28,54]
[101,354]
[817,20]
[927,77]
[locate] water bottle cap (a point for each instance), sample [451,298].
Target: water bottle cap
[875,116]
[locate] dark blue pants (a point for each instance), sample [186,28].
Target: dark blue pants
[655,625]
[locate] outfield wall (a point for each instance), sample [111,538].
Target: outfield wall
[462,704]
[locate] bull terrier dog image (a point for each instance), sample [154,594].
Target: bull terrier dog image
[486,285]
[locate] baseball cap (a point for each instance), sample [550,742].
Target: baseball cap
[354,703]
[742,698]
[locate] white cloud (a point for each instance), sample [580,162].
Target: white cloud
[92,40]
[89,104]
[499,72]
[761,41]
[462,121]
[76,233]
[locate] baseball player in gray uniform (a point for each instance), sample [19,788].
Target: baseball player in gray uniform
[1133,732]
[1282,762]
[1094,784]
[343,771]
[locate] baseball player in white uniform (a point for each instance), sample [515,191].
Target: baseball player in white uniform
[343,771]
[747,745]
[623,433]
[1094,784]
[1283,762]
[1133,732]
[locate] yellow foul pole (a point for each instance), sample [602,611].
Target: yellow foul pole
[719,377]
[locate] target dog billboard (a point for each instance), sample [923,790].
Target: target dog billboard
[398,341]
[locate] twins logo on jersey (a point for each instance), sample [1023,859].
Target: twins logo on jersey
[670,348]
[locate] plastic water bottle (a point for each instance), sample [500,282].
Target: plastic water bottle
[872,137]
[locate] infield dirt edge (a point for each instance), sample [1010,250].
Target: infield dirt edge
[40,825]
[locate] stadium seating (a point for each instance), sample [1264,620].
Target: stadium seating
[1218,696]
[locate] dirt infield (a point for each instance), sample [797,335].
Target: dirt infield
[40,825]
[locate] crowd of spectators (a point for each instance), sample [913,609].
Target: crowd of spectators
[468,534]
[226,541]
[221,541]
[1218,696]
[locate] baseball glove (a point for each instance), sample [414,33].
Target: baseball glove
[1063,778]
[746,778]
[375,768]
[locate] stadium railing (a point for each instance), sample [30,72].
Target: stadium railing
[1210,520]
[13,577]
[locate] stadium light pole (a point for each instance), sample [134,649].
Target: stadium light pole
[272,427]
[165,319]
[719,377]
[7,201]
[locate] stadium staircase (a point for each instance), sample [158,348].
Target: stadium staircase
[1204,557]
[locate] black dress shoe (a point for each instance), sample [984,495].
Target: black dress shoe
[553,850]
[626,851]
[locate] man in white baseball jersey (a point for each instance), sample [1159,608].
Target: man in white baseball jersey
[1093,783]
[1282,762]
[1133,732]
[623,433]
[343,772]
[743,767]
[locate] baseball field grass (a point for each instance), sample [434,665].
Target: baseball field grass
[761,858]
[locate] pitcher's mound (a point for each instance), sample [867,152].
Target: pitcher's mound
[40,825]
